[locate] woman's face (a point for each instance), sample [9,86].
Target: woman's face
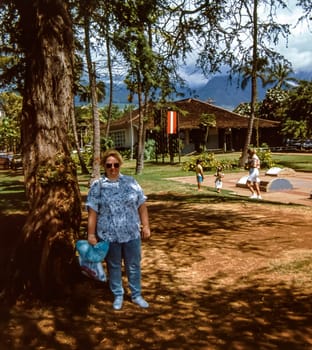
[112,168]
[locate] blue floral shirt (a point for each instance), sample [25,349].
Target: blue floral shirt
[116,204]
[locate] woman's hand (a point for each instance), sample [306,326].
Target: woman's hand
[92,239]
[145,232]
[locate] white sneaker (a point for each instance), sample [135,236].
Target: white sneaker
[253,196]
[141,302]
[259,197]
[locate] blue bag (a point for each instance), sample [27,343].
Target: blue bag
[91,257]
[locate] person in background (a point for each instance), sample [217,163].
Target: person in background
[219,175]
[117,213]
[199,173]
[253,180]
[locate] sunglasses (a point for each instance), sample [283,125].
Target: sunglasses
[112,165]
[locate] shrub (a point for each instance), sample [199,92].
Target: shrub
[149,150]
[209,162]
[265,156]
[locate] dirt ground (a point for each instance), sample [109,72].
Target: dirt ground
[217,276]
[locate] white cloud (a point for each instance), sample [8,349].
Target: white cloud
[194,78]
[298,49]
[299,52]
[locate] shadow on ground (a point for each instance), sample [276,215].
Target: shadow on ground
[207,273]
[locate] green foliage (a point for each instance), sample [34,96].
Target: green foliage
[209,162]
[207,120]
[265,157]
[274,104]
[245,108]
[296,128]
[292,107]
[126,153]
[83,117]
[149,151]
[299,109]
[87,156]
[10,136]
[115,112]
[106,143]
[84,92]
[280,75]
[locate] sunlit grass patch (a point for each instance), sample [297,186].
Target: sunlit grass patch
[294,261]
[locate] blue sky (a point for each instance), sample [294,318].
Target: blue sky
[297,49]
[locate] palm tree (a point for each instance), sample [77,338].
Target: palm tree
[84,92]
[261,72]
[280,75]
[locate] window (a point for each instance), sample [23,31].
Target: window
[119,138]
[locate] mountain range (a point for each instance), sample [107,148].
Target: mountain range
[219,91]
[228,94]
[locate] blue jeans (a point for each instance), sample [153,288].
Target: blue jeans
[130,252]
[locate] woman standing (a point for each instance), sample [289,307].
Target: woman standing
[253,180]
[117,213]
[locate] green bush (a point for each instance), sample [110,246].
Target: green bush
[266,160]
[265,156]
[86,155]
[209,162]
[149,151]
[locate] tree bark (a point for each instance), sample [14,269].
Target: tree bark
[44,260]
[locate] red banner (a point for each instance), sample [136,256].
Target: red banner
[171,122]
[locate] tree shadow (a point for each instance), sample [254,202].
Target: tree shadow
[223,308]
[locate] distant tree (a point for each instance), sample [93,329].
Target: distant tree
[260,32]
[262,66]
[10,133]
[230,33]
[207,121]
[110,112]
[105,28]
[274,104]
[84,92]
[147,70]
[12,65]
[83,116]
[86,9]
[297,116]
[280,76]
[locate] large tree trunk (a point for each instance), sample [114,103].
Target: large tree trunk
[45,256]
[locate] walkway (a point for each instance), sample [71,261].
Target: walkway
[300,194]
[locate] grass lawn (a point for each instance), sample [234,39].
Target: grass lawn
[219,273]
[152,179]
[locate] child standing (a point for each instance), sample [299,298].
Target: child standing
[218,181]
[199,173]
